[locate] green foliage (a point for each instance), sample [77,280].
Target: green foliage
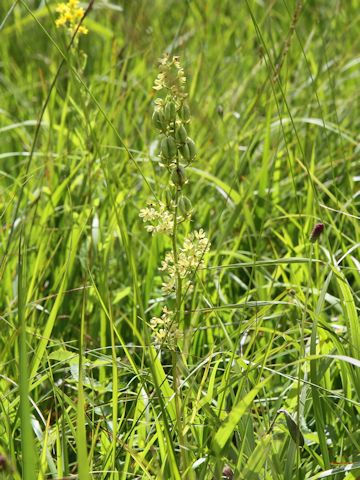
[272,321]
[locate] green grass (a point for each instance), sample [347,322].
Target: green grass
[273,321]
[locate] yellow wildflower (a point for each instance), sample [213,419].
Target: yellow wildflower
[69,16]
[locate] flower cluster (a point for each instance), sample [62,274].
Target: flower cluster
[189,259]
[165,329]
[70,15]
[171,77]
[159,217]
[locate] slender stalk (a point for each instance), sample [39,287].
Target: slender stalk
[175,253]
[177,320]
[27,437]
[315,380]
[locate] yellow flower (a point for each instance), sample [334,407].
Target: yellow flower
[69,16]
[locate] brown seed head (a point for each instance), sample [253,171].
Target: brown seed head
[316,232]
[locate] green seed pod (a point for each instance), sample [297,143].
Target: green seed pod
[185,152]
[170,112]
[180,134]
[192,148]
[184,113]
[178,176]
[167,198]
[158,119]
[168,148]
[184,205]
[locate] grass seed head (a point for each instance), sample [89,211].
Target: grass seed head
[316,232]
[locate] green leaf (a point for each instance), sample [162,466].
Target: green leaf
[293,428]
[230,423]
[257,459]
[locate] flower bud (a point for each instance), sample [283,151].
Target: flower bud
[184,113]
[180,134]
[184,205]
[168,148]
[178,176]
[170,112]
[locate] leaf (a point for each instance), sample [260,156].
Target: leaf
[257,459]
[293,428]
[227,428]
[334,471]
[63,355]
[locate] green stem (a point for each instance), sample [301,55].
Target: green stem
[177,323]
[319,412]
[175,254]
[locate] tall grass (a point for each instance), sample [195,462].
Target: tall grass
[267,385]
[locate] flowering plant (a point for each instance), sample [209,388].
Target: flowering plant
[171,117]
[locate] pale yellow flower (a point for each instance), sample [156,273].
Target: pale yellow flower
[190,258]
[165,329]
[159,218]
[171,77]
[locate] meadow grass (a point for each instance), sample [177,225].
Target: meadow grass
[266,382]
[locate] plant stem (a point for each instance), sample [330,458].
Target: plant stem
[177,322]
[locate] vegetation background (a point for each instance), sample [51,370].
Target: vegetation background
[269,385]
